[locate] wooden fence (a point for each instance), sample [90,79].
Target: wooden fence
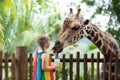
[20,67]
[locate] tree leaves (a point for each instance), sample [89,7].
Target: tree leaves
[22,23]
[1,37]
[92,47]
[116,8]
[89,2]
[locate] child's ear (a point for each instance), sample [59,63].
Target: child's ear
[86,21]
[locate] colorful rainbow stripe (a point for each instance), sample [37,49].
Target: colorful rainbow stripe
[39,74]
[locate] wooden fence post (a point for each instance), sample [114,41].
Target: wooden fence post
[92,66]
[0,65]
[56,75]
[21,65]
[85,67]
[31,67]
[6,66]
[13,60]
[104,68]
[63,68]
[71,67]
[78,66]
[98,64]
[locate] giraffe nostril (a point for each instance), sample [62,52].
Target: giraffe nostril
[57,42]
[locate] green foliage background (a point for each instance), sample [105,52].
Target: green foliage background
[19,25]
[22,21]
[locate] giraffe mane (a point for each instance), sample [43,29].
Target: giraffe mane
[107,34]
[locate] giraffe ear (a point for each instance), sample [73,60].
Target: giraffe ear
[86,21]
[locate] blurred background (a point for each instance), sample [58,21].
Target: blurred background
[22,21]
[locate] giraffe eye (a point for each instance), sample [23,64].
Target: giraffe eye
[75,28]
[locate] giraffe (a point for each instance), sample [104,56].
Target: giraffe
[75,27]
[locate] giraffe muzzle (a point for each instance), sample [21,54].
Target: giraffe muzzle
[58,47]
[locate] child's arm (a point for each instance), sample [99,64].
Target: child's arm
[45,67]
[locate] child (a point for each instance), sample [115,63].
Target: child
[43,70]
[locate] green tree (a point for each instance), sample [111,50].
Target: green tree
[110,8]
[21,21]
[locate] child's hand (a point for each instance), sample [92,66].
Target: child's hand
[56,66]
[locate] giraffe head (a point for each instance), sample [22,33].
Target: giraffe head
[70,32]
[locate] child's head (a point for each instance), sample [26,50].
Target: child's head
[43,41]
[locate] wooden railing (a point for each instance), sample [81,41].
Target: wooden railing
[16,68]
[20,66]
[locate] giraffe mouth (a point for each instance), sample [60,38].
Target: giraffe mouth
[58,47]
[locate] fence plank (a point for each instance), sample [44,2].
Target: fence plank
[116,67]
[63,68]
[71,67]
[0,65]
[92,67]
[77,66]
[109,69]
[13,66]
[85,67]
[31,67]
[6,66]
[56,75]
[21,66]
[104,68]
[98,61]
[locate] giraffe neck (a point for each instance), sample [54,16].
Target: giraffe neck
[103,41]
